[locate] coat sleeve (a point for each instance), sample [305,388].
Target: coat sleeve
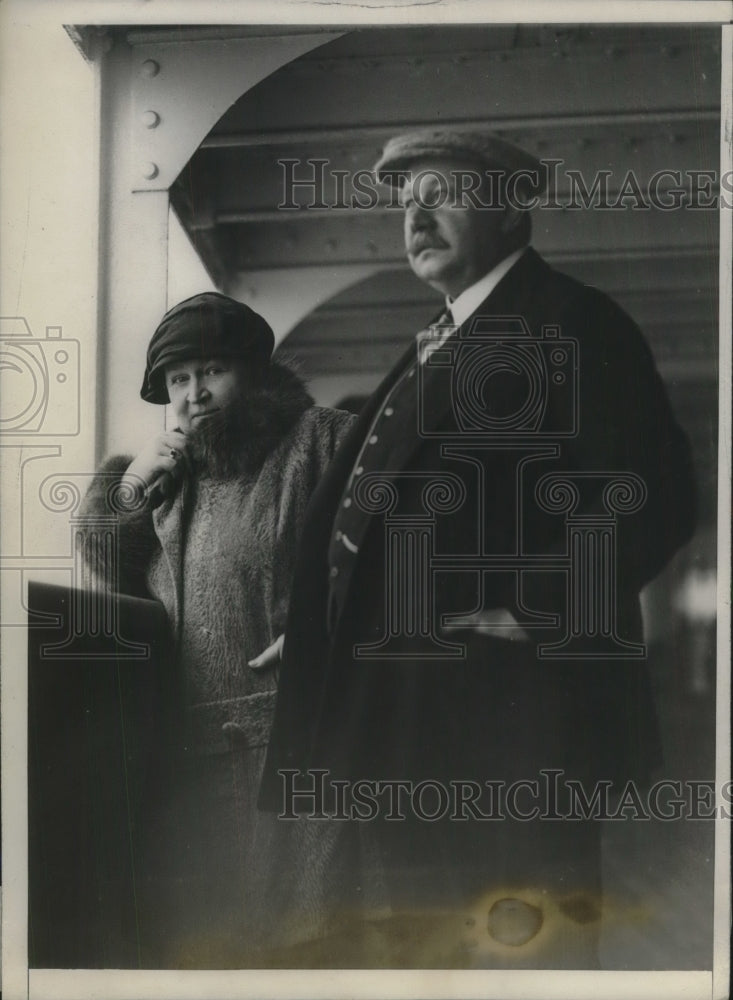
[625,424]
[116,561]
[323,433]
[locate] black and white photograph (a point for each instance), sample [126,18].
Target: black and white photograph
[365,440]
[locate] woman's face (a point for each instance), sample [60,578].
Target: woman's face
[200,387]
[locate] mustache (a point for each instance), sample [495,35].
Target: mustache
[424,241]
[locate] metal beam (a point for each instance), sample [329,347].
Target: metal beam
[179,92]
[339,134]
[488,86]
[396,261]
[378,239]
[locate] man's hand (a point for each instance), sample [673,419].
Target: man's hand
[498,623]
[269,657]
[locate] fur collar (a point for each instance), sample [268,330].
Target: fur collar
[239,442]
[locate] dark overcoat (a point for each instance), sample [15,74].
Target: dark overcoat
[500,711]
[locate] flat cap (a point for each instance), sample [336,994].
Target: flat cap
[483,147]
[207,325]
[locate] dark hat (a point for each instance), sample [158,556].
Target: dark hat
[207,325]
[483,147]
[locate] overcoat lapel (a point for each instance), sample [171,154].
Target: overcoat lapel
[339,470]
[503,301]
[437,410]
[325,500]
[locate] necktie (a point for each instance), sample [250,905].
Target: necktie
[436,335]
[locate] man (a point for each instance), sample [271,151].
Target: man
[487,633]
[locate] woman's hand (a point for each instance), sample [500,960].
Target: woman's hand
[269,657]
[160,463]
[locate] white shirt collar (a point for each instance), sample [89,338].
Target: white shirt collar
[471,298]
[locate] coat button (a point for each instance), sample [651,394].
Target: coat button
[334,571]
[347,502]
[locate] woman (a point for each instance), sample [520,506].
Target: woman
[212,519]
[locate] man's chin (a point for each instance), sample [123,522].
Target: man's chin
[429,268]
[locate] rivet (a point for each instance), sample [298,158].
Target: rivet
[150,68]
[150,171]
[150,119]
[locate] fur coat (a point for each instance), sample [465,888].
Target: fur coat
[219,555]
